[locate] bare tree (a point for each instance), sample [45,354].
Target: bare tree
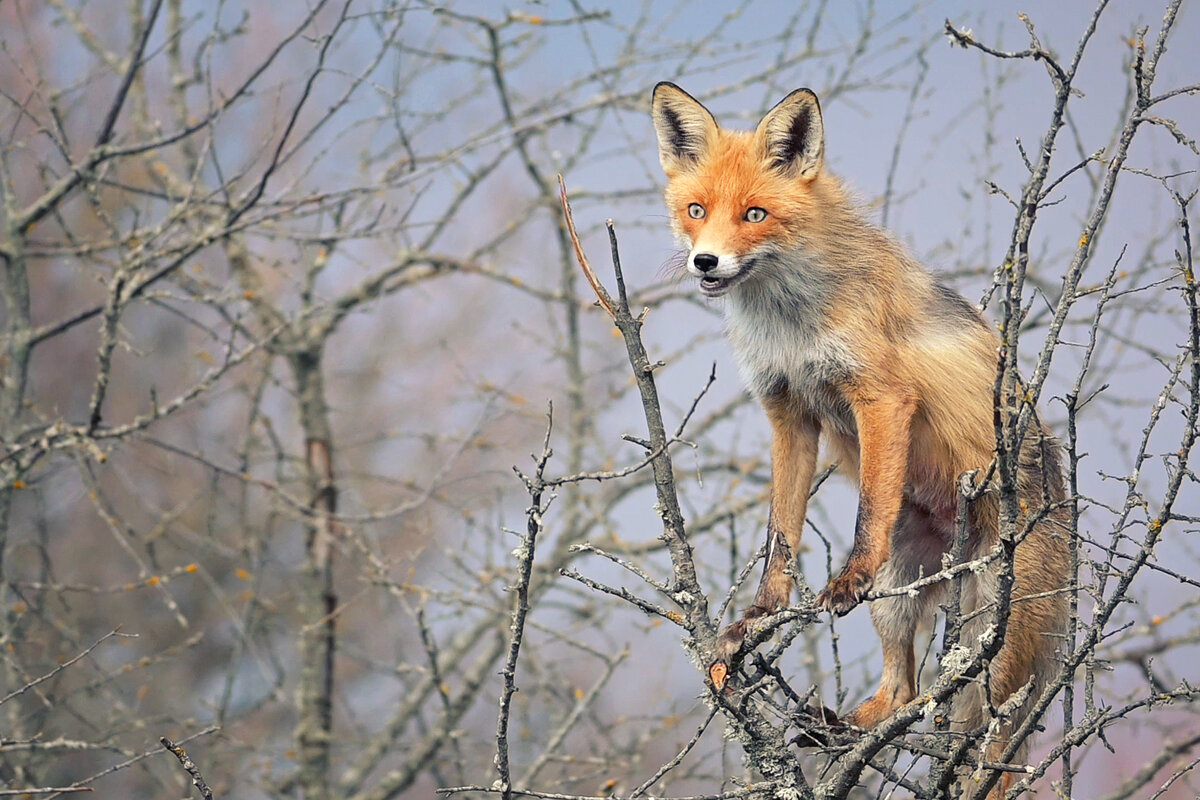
[286,292]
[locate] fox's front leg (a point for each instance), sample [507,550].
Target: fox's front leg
[793,461]
[883,424]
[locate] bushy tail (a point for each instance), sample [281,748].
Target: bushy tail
[1027,662]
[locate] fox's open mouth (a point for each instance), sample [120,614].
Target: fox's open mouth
[715,287]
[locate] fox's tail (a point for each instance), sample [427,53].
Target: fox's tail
[1027,662]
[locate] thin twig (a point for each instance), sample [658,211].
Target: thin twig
[189,766]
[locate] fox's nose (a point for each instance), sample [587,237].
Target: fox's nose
[704,261]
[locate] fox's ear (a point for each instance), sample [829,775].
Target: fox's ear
[793,136]
[685,128]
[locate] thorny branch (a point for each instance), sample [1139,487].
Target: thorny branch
[277,304]
[535,485]
[774,758]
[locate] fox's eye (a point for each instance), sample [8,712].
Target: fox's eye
[696,211]
[756,214]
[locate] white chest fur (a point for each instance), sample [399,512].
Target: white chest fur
[786,343]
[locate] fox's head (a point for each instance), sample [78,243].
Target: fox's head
[737,198]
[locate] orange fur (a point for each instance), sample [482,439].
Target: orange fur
[840,334]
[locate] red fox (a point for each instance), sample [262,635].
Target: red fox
[839,333]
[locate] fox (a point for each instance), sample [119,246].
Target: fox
[843,337]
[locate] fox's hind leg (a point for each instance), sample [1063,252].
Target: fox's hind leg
[916,551]
[793,462]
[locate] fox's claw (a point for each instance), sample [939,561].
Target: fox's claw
[718,673]
[845,592]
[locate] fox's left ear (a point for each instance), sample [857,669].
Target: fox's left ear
[793,136]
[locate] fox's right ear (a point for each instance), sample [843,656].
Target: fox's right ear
[685,128]
[792,135]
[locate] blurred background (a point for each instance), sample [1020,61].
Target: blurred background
[287,295]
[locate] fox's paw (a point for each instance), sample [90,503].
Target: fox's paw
[870,713]
[729,650]
[819,727]
[845,591]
